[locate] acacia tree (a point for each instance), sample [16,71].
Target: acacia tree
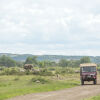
[63,63]
[7,61]
[31,60]
[85,60]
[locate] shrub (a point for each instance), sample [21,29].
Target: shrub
[52,69]
[65,71]
[13,71]
[16,79]
[39,80]
[10,71]
[27,72]
[43,72]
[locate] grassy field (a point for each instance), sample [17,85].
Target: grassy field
[11,86]
[94,98]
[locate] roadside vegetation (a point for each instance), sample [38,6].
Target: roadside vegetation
[43,76]
[94,98]
[11,86]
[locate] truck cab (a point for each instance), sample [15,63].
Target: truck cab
[88,72]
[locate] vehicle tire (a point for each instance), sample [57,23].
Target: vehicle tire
[95,81]
[82,82]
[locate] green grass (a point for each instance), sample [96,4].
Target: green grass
[94,98]
[11,86]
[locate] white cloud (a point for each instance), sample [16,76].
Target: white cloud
[48,26]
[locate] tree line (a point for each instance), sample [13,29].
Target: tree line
[9,62]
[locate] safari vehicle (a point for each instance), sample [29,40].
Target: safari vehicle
[88,72]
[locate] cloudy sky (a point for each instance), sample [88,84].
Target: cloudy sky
[62,27]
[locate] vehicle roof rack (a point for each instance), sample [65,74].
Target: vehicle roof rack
[88,64]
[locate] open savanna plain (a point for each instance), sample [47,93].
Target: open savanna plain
[62,86]
[70,93]
[12,85]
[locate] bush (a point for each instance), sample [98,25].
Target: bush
[43,72]
[2,68]
[27,72]
[51,69]
[13,71]
[16,79]
[10,71]
[39,80]
[65,71]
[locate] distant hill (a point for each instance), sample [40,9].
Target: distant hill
[22,57]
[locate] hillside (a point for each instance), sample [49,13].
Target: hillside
[22,57]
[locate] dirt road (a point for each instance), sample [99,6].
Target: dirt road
[76,93]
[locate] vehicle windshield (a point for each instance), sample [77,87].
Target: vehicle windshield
[88,69]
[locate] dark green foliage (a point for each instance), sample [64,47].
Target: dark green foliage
[31,60]
[63,63]
[11,71]
[19,63]
[23,57]
[39,67]
[74,63]
[41,64]
[65,71]
[43,72]
[46,64]
[7,61]
[27,72]
[85,60]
